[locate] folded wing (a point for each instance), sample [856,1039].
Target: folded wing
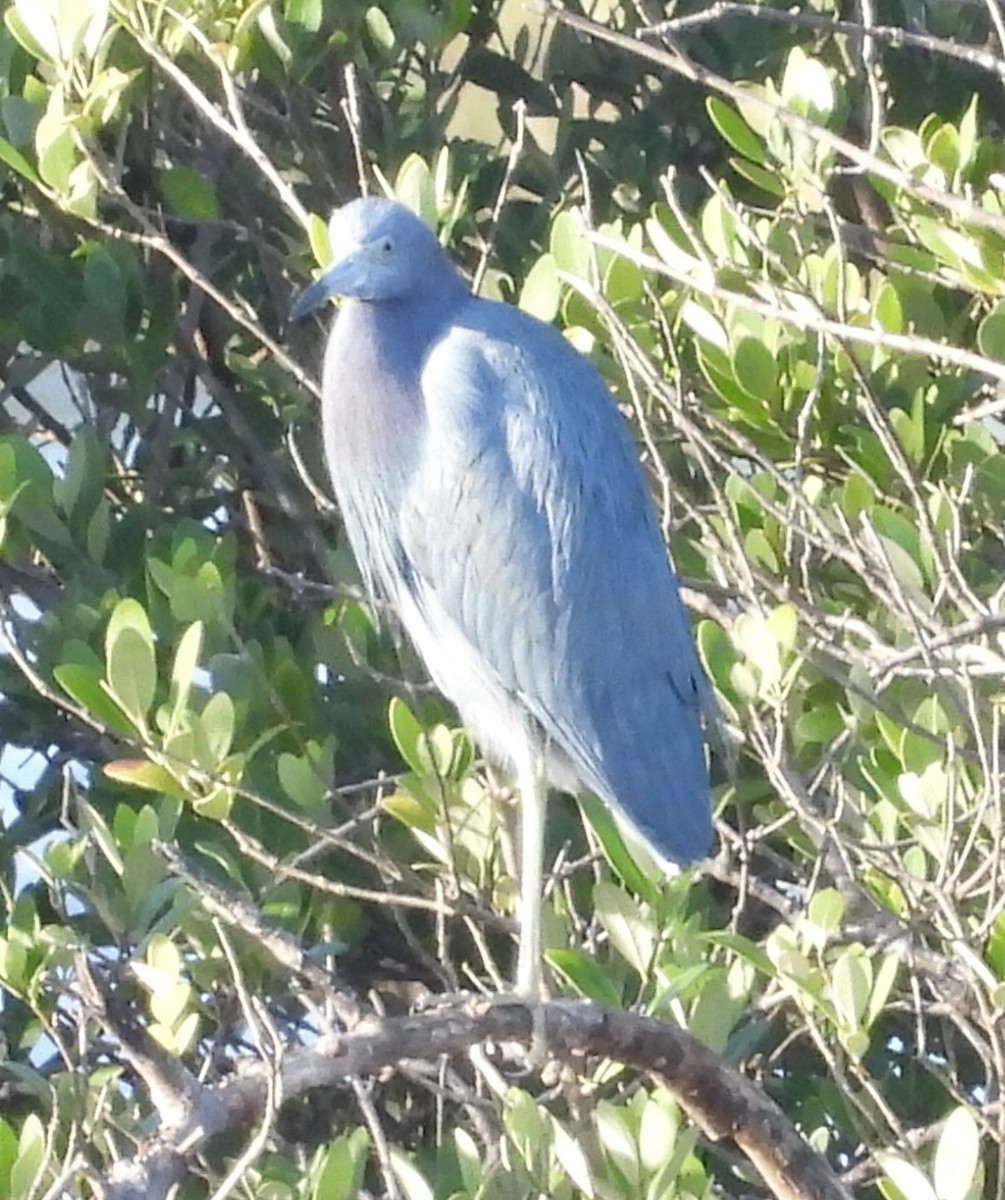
[538,582]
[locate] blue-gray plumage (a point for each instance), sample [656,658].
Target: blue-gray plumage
[491,492]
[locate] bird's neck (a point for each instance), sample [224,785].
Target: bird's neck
[374,413]
[414,320]
[396,335]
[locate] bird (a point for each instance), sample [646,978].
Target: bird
[493,496]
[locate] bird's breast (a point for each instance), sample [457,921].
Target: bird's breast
[374,428]
[372,409]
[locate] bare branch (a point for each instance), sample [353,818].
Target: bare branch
[725,1104]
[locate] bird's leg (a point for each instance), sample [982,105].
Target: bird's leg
[529,980]
[533,804]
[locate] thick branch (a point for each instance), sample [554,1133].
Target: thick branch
[720,1100]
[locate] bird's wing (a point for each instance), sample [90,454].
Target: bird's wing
[537,565]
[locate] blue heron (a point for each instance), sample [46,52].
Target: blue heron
[492,494]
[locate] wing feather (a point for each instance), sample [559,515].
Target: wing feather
[540,582]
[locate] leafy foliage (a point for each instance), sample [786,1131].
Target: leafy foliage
[786,253]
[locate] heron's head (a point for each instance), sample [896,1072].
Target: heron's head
[380,251]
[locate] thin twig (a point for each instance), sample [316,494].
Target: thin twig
[892,35]
[680,64]
[515,154]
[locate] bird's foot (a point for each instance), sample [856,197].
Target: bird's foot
[537,1049]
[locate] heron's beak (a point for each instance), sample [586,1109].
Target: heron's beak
[313,296]
[348,276]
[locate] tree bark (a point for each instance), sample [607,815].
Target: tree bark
[721,1101]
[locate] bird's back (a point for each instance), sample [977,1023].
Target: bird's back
[538,581]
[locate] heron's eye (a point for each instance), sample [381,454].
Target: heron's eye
[386,246]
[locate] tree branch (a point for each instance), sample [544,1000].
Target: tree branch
[891,35]
[679,64]
[721,1101]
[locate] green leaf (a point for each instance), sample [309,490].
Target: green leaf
[618,1142]
[379,28]
[527,1126]
[541,291]
[186,659]
[603,824]
[410,1179]
[570,250]
[591,980]
[755,637]
[806,86]
[762,177]
[57,153]
[217,721]
[826,910]
[886,977]
[414,187]
[105,290]
[215,804]
[571,1158]
[183,1037]
[624,283]
[188,193]
[131,664]
[301,780]
[902,545]
[128,614]
[341,1171]
[306,13]
[84,684]
[17,161]
[957,1155]
[35,28]
[30,1156]
[756,370]
[723,997]
[406,732]
[718,228]
[631,934]
[906,1177]
[968,139]
[81,26]
[193,597]
[783,625]
[716,652]
[141,773]
[320,242]
[943,150]
[707,326]
[412,806]
[84,477]
[170,1002]
[991,333]
[469,1161]
[735,130]
[264,16]
[8,1143]
[658,1130]
[107,93]
[94,823]
[851,983]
